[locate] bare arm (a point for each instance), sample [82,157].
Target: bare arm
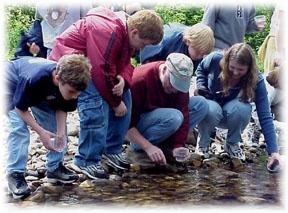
[44,134]
[154,153]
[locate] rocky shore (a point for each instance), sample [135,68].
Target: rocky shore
[43,192]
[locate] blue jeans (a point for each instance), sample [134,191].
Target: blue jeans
[198,108]
[19,139]
[234,116]
[100,130]
[158,125]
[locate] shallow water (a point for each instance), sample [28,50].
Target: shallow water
[201,186]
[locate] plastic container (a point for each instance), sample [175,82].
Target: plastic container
[58,147]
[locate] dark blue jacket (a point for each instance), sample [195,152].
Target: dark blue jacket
[171,42]
[33,35]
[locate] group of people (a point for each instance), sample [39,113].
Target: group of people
[89,68]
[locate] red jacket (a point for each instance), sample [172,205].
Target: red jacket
[103,38]
[148,94]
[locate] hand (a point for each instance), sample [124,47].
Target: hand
[273,164]
[120,110]
[45,137]
[34,49]
[181,154]
[156,154]
[203,92]
[118,88]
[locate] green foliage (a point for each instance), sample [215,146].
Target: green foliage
[187,15]
[20,18]
[17,19]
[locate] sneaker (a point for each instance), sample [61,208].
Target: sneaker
[235,151]
[62,175]
[17,185]
[94,171]
[116,161]
[203,152]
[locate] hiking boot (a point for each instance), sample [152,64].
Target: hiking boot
[116,161]
[235,151]
[202,151]
[62,175]
[94,171]
[17,185]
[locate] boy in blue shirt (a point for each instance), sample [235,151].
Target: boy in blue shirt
[48,90]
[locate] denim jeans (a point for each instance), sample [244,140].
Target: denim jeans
[158,125]
[19,139]
[100,130]
[234,116]
[198,108]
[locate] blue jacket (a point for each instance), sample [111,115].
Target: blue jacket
[171,42]
[33,35]
[207,75]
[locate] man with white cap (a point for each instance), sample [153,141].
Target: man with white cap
[160,116]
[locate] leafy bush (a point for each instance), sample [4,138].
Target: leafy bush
[18,18]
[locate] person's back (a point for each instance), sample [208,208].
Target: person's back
[194,41]
[229,23]
[56,19]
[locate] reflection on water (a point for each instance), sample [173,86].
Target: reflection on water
[194,187]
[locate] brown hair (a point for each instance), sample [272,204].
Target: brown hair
[74,70]
[243,54]
[149,25]
[200,37]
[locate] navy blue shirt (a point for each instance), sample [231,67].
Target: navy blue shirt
[30,82]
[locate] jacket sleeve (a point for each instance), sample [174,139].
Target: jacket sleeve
[265,117]
[210,16]
[251,26]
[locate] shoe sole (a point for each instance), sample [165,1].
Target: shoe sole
[16,197]
[112,164]
[79,170]
[53,180]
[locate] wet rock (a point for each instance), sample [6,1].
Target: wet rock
[38,196]
[86,184]
[31,178]
[51,189]
[251,199]
[237,164]
[195,160]
[211,163]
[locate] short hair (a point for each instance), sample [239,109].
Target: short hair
[200,37]
[149,25]
[74,70]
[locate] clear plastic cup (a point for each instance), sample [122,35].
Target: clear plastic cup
[58,147]
[260,21]
[181,154]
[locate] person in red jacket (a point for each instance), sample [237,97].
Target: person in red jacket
[160,121]
[108,39]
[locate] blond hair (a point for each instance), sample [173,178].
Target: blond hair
[243,54]
[74,70]
[200,37]
[149,25]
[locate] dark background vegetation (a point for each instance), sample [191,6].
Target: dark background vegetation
[20,18]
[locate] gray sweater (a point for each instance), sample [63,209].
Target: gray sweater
[229,23]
